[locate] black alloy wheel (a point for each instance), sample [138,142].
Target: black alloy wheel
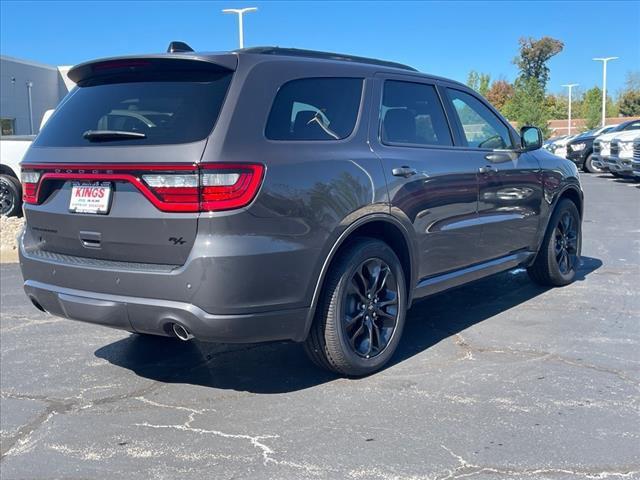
[371,308]
[566,243]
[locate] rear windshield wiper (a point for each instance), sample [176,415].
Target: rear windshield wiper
[107,135]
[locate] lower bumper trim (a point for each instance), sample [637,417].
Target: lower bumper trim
[155,316]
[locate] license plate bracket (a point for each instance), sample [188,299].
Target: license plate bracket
[90,197]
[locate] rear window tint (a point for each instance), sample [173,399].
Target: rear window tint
[315,109]
[166,112]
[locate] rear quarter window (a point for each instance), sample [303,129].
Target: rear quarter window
[315,109]
[165,111]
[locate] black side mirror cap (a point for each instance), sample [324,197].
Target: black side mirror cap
[530,138]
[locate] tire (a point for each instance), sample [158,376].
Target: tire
[559,256]
[352,334]
[10,196]
[590,167]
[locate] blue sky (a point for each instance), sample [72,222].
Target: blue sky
[443,38]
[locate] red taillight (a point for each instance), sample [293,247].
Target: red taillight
[171,188]
[29,180]
[229,186]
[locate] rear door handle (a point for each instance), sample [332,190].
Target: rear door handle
[404,171]
[488,169]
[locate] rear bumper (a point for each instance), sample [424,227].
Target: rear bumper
[227,291]
[156,316]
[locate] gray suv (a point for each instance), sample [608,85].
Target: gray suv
[279,194]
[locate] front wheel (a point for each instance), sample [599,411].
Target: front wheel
[559,256]
[361,314]
[590,167]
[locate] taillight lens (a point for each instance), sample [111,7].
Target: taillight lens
[175,188]
[228,186]
[29,180]
[171,188]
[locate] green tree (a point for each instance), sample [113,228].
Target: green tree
[500,93]
[629,100]
[534,55]
[558,106]
[528,105]
[592,107]
[479,82]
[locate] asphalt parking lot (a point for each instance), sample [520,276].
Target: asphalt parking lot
[497,380]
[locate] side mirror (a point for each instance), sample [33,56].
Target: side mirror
[531,138]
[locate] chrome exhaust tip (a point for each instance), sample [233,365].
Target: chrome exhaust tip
[181,332]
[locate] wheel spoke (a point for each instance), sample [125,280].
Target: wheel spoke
[388,320]
[350,321]
[364,289]
[374,275]
[381,283]
[358,291]
[564,262]
[369,327]
[355,335]
[558,247]
[378,337]
[388,303]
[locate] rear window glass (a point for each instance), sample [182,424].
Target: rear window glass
[315,109]
[166,112]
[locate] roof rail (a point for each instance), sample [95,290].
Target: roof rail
[296,52]
[175,47]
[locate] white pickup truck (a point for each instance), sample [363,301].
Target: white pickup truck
[12,149]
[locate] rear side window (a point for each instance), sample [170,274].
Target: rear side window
[315,109]
[481,127]
[412,114]
[166,112]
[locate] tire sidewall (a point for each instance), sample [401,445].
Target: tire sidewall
[588,165]
[380,250]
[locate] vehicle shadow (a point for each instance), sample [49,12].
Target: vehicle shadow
[626,180]
[281,367]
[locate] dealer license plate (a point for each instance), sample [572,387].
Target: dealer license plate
[90,198]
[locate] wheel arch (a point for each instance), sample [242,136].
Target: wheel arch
[570,192]
[384,227]
[6,170]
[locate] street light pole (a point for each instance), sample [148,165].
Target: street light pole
[570,87]
[30,102]
[240,12]
[604,84]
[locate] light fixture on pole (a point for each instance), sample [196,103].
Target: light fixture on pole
[570,87]
[604,84]
[240,12]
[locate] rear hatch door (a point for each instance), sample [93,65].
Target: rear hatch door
[113,174]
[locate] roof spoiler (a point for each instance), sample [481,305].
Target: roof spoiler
[108,69]
[176,47]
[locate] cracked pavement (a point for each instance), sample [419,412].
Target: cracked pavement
[496,380]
